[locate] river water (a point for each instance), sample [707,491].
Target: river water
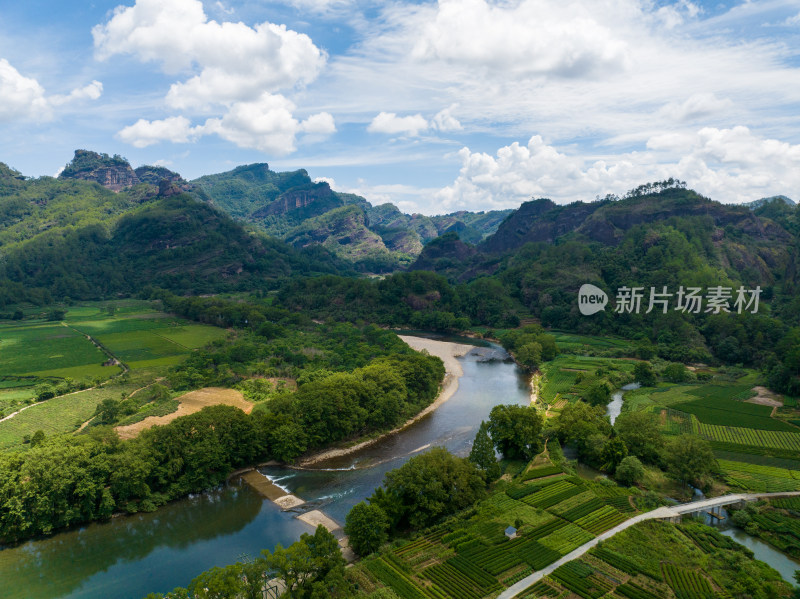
[614,407]
[132,556]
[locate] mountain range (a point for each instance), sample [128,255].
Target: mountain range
[103,228]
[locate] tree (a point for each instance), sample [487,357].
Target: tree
[530,355]
[482,454]
[367,526]
[644,374]
[639,431]
[516,431]
[676,373]
[108,411]
[690,458]
[430,486]
[599,394]
[630,471]
[38,438]
[613,453]
[578,421]
[311,558]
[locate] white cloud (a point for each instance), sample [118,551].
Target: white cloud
[144,133]
[445,121]
[696,106]
[236,71]
[792,21]
[319,124]
[20,96]
[414,125]
[729,165]
[676,14]
[390,123]
[564,39]
[24,97]
[89,92]
[267,125]
[236,62]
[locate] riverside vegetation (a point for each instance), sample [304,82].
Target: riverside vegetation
[292,326]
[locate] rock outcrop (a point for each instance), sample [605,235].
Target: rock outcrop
[112,172]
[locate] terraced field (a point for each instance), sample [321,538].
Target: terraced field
[471,558]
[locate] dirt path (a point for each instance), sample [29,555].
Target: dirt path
[536,382]
[191,402]
[448,353]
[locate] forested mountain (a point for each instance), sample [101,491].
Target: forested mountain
[74,238]
[541,255]
[291,206]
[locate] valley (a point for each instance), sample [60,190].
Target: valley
[158,335]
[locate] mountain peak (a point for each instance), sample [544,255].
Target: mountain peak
[112,172]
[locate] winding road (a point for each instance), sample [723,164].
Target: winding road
[663,513]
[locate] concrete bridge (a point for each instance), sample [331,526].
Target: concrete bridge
[672,513]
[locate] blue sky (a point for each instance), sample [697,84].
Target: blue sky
[468,104]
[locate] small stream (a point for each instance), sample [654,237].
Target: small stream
[614,407]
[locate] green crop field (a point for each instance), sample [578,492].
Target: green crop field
[42,348]
[36,351]
[569,376]
[749,436]
[716,409]
[58,415]
[760,478]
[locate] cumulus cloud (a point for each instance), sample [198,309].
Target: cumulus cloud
[24,97]
[389,122]
[414,125]
[319,124]
[144,133]
[235,61]
[235,70]
[564,39]
[266,124]
[729,165]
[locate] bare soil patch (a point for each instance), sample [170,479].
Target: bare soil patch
[191,402]
[765,397]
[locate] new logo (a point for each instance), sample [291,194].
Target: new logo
[591,299]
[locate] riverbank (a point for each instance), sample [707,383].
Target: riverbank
[446,351]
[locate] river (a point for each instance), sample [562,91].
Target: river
[762,550]
[132,556]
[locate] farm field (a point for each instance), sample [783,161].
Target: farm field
[653,560]
[40,350]
[37,352]
[58,415]
[568,376]
[470,557]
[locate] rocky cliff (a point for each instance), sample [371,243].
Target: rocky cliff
[112,172]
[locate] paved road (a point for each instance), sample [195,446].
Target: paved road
[662,513]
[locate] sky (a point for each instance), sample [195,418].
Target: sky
[434,106]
